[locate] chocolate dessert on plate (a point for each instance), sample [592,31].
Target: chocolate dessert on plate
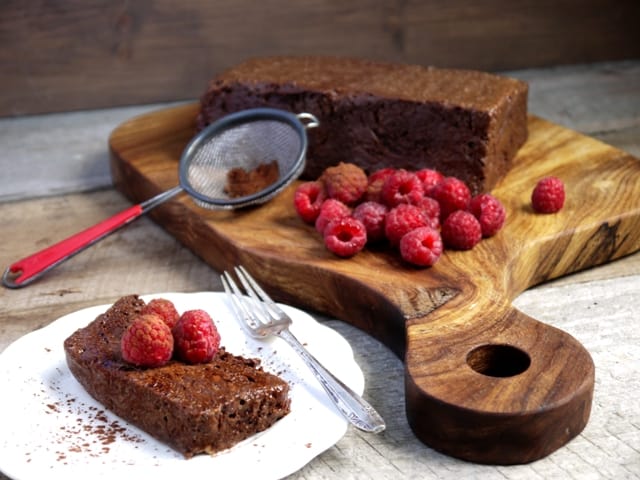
[201,408]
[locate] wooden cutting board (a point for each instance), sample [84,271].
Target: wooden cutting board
[484,382]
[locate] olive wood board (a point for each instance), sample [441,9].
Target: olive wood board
[483,381]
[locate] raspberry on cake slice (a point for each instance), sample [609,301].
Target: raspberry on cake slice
[147,342]
[164,308]
[196,337]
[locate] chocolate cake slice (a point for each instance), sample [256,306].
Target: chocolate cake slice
[193,408]
[464,123]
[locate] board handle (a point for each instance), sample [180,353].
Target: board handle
[510,393]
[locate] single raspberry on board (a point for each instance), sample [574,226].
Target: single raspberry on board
[376,180]
[461,230]
[452,194]
[345,236]
[196,337]
[164,308]
[421,246]
[429,178]
[490,213]
[402,219]
[372,215]
[147,342]
[346,182]
[548,195]
[330,210]
[401,187]
[307,200]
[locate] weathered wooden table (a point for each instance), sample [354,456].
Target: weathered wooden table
[55,182]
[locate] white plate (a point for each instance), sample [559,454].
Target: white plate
[51,428]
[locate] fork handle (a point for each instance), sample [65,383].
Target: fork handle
[356,409]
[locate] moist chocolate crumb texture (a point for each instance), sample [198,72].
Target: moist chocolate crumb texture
[195,409]
[464,123]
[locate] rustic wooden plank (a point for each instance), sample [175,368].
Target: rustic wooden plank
[76,55]
[59,153]
[601,101]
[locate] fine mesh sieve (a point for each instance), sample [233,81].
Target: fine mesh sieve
[242,143]
[246,140]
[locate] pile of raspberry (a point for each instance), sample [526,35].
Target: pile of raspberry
[420,213]
[159,333]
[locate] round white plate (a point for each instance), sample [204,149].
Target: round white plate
[51,428]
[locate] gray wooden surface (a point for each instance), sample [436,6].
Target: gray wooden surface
[77,55]
[55,182]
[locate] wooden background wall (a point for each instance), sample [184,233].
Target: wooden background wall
[80,54]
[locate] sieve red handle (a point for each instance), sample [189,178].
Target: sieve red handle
[26,270]
[30,268]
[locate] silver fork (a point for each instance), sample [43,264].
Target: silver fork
[261,317]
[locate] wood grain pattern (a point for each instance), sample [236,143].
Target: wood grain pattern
[484,382]
[71,54]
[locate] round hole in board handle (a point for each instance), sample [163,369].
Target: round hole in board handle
[498,360]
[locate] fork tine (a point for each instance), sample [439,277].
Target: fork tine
[260,298]
[240,308]
[259,309]
[251,285]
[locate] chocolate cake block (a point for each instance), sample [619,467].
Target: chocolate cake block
[464,123]
[195,409]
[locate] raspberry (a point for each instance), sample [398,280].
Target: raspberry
[308,199]
[489,211]
[421,246]
[548,195]
[452,194]
[372,216]
[402,219]
[345,182]
[147,342]
[196,337]
[461,230]
[330,210]
[376,180]
[401,187]
[164,308]
[431,208]
[381,174]
[345,236]
[429,178]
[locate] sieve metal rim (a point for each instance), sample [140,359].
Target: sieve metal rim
[230,121]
